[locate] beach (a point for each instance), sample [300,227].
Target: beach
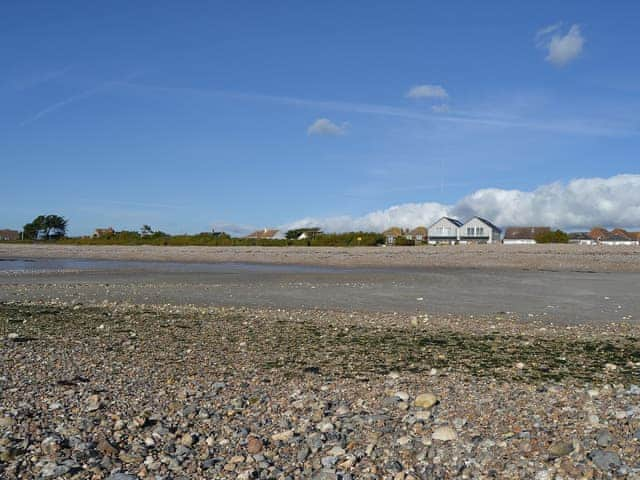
[126,363]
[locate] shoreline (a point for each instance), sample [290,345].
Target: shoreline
[579,258]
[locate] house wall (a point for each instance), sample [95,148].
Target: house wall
[443,231]
[489,234]
[520,241]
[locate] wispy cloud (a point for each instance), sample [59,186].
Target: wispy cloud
[427,91]
[579,204]
[570,126]
[561,48]
[75,98]
[324,126]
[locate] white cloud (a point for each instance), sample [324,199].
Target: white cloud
[324,126]
[441,108]
[561,48]
[579,204]
[427,91]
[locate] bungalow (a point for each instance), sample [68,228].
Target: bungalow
[418,235]
[103,232]
[523,235]
[391,234]
[445,230]
[9,235]
[612,238]
[309,233]
[479,230]
[581,238]
[264,234]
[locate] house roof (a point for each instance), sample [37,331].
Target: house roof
[485,221]
[418,231]
[614,237]
[393,231]
[455,221]
[6,233]
[524,233]
[265,233]
[579,236]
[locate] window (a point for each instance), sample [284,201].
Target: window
[480,231]
[469,231]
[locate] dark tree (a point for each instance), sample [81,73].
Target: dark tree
[46,227]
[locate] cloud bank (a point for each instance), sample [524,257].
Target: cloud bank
[561,48]
[324,126]
[579,204]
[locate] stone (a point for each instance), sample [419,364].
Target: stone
[605,460]
[444,434]
[254,445]
[604,439]
[560,449]
[122,476]
[425,400]
[93,403]
[282,436]
[7,422]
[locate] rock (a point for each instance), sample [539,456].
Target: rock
[605,460]
[122,476]
[93,403]
[604,439]
[282,436]
[328,461]
[404,396]
[325,427]
[254,445]
[7,422]
[187,440]
[393,466]
[444,434]
[425,400]
[560,449]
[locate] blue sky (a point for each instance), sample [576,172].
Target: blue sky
[185,115]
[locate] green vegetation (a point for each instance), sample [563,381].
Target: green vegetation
[46,227]
[557,236]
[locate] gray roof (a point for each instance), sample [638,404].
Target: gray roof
[492,225]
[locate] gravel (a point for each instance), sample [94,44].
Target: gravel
[166,392]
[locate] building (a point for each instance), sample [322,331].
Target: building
[264,234]
[617,236]
[581,238]
[479,230]
[103,232]
[523,235]
[391,234]
[611,238]
[418,235]
[444,231]
[309,233]
[9,235]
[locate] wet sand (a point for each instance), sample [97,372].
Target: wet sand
[558,296]
[519,257]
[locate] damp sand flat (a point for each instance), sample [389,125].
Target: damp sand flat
[559,296]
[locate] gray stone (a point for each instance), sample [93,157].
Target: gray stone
[604,438]
[605,460]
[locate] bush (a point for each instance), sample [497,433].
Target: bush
[557,236]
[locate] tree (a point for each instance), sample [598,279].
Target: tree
[47,227]
[552,237]
[146,230]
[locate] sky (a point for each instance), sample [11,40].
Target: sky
[189,116]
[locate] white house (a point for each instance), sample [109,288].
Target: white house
[479,230]
[523,235]
[445,230]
